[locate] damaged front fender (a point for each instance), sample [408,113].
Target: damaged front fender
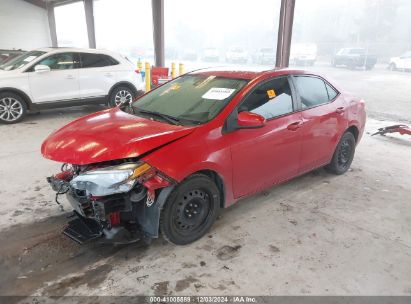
[149,216]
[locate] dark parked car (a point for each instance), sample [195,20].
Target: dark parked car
[6,55]
[354,58]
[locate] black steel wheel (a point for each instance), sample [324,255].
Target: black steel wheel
[343,154]
[190,210]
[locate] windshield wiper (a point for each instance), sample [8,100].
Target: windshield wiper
[171,119]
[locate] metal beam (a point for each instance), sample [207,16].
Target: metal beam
[91,33]
[52,25]
[285,29]
[158,31]
[38,3]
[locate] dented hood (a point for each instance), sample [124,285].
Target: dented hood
[109,135]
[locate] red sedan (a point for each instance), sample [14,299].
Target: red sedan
[170,160]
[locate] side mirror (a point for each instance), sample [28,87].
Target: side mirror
[248,120]
[41,68]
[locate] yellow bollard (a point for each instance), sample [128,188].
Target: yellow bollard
[181,69]
[148,77]
[173,70]
[139,65]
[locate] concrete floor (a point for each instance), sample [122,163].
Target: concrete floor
[319,234]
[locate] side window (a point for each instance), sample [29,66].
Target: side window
[89,60]
[62,61]
[270,99]
[312,91]
[332,93]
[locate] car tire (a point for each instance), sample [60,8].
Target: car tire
[343,155]
[12,108]
[121,95]
[351,65]
[190,210]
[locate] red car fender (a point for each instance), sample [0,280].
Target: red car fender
[199,155]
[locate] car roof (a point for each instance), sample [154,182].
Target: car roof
[72,49]
[247,73]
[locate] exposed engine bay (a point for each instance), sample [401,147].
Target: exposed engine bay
[119,201]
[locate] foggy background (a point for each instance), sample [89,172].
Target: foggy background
[321,28]
[381,26]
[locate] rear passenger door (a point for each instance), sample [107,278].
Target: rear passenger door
[323,115]
[96,75]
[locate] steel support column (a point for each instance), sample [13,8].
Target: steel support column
[89,11]
[52,25]
[285,29]
[158,31]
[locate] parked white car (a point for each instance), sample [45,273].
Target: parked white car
[303,54]
[402,62]
[236,55]
[63,77]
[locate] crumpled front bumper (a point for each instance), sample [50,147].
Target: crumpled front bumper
[136,216]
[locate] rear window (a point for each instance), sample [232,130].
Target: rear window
[312,91]
[89,60]
[332,93]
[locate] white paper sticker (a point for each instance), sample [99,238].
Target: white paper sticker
[218,93]
[30,58]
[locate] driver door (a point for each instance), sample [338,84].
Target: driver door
[60,83]
[268,155]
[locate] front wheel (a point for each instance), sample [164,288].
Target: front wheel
[121,95]
[190,210]
[12,108]
[343,155]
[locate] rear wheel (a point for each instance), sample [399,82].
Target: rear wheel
[190,210]
[343,155]
[12,108]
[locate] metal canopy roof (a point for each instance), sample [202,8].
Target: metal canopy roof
[47,3]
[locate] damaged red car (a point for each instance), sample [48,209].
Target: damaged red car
[167,162]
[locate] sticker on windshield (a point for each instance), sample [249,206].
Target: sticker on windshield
[271,93]
[29,58]
[218,93]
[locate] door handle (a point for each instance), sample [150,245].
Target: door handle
[340,110]
[70,77]
[294,126]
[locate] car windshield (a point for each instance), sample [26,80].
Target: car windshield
[190,99]
[357,51]
[21,60]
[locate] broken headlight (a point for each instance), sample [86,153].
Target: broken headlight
[109,180]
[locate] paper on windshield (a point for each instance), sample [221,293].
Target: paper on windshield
[29,58]
[218,93]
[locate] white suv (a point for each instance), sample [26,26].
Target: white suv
[63,77]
